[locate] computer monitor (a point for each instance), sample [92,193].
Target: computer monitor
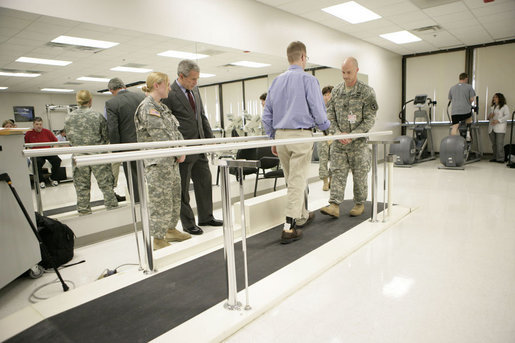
[23,113]
[420,99]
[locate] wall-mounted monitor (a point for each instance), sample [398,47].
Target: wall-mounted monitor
[23,113]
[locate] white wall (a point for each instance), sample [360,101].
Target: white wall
[240,24]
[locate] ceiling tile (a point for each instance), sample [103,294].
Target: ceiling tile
[452,8]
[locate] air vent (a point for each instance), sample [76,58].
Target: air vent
[5,70]
[425,4]
[73,83]
[210,52]
[428,29]
[73,47]
[134,65]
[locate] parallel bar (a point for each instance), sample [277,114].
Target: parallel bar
[133,146]
[230,265]
[34,145]
[133,211]
[37,189]
[86,160]
[149,265]
[373,219]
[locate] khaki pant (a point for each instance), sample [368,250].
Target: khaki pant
[295,160]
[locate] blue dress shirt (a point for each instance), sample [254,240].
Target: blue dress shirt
[294,101]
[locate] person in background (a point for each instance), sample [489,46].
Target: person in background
[324,149]
[186,105]
[293,108]
[39,134]
[84,126]
[120,111]
[154,122]
[61,137]
[498,118]
[8,124]
[262,98]
[352,109]
[461,97]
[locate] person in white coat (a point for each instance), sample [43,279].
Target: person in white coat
[498,117]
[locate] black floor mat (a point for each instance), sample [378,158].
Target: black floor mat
[147,309]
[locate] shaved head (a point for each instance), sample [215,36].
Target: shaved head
[350,71]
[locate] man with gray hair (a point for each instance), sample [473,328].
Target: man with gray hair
[186,105]
[120,112]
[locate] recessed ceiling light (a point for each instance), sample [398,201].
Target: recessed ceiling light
[182,54]
[59,90]
[84,42]
[204,75]
[249,64]
[132,70]
[15,74]
[4,87]
[400,37]
[43,61]
[352,12]
[92,79]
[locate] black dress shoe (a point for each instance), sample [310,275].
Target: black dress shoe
[195,230]
[120,198]
[212,222]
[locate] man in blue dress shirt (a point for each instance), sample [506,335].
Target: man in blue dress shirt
[294,106]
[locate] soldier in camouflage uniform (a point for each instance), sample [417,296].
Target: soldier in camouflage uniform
[352,109]
[87,127]
[324,148]
[155,122]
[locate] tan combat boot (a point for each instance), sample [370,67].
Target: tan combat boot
[325,187]
[174,235]
[332,210]
[357,210]
[160,243]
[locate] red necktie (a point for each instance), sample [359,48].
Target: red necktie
[190,98]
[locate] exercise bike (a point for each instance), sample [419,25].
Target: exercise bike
[418,147]
[465,148]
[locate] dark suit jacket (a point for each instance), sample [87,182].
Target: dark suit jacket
[181,109]
[120,116]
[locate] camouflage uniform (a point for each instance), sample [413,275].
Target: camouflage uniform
[87,127]
[324,150]
[155,122]
[351,111]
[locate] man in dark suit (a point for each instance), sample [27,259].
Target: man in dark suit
[186,105]
[120,122]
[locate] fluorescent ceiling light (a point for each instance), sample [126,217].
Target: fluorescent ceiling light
[249,64]
[132,70]
[204,75]
[4,87]
[182,54]
[92,79]
[400,37]
[43,61]
[84,42]
[352,12]
[59,90]
[15,74]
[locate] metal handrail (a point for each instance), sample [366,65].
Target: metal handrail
[86,160]
[35,145]
[132,146]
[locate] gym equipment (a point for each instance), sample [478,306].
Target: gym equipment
[458,150]
[44,251]
[419,147]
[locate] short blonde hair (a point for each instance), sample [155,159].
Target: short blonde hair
[154,77]
[295,51]
[83,97]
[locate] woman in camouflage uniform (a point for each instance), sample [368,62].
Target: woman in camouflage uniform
[87,127]
[155,122]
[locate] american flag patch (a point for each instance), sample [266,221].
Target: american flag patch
[154,112]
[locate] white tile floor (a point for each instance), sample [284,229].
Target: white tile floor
[443,274]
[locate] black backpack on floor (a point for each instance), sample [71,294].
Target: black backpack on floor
[59,240]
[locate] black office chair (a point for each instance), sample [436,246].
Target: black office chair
[245,154]
[267,161]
